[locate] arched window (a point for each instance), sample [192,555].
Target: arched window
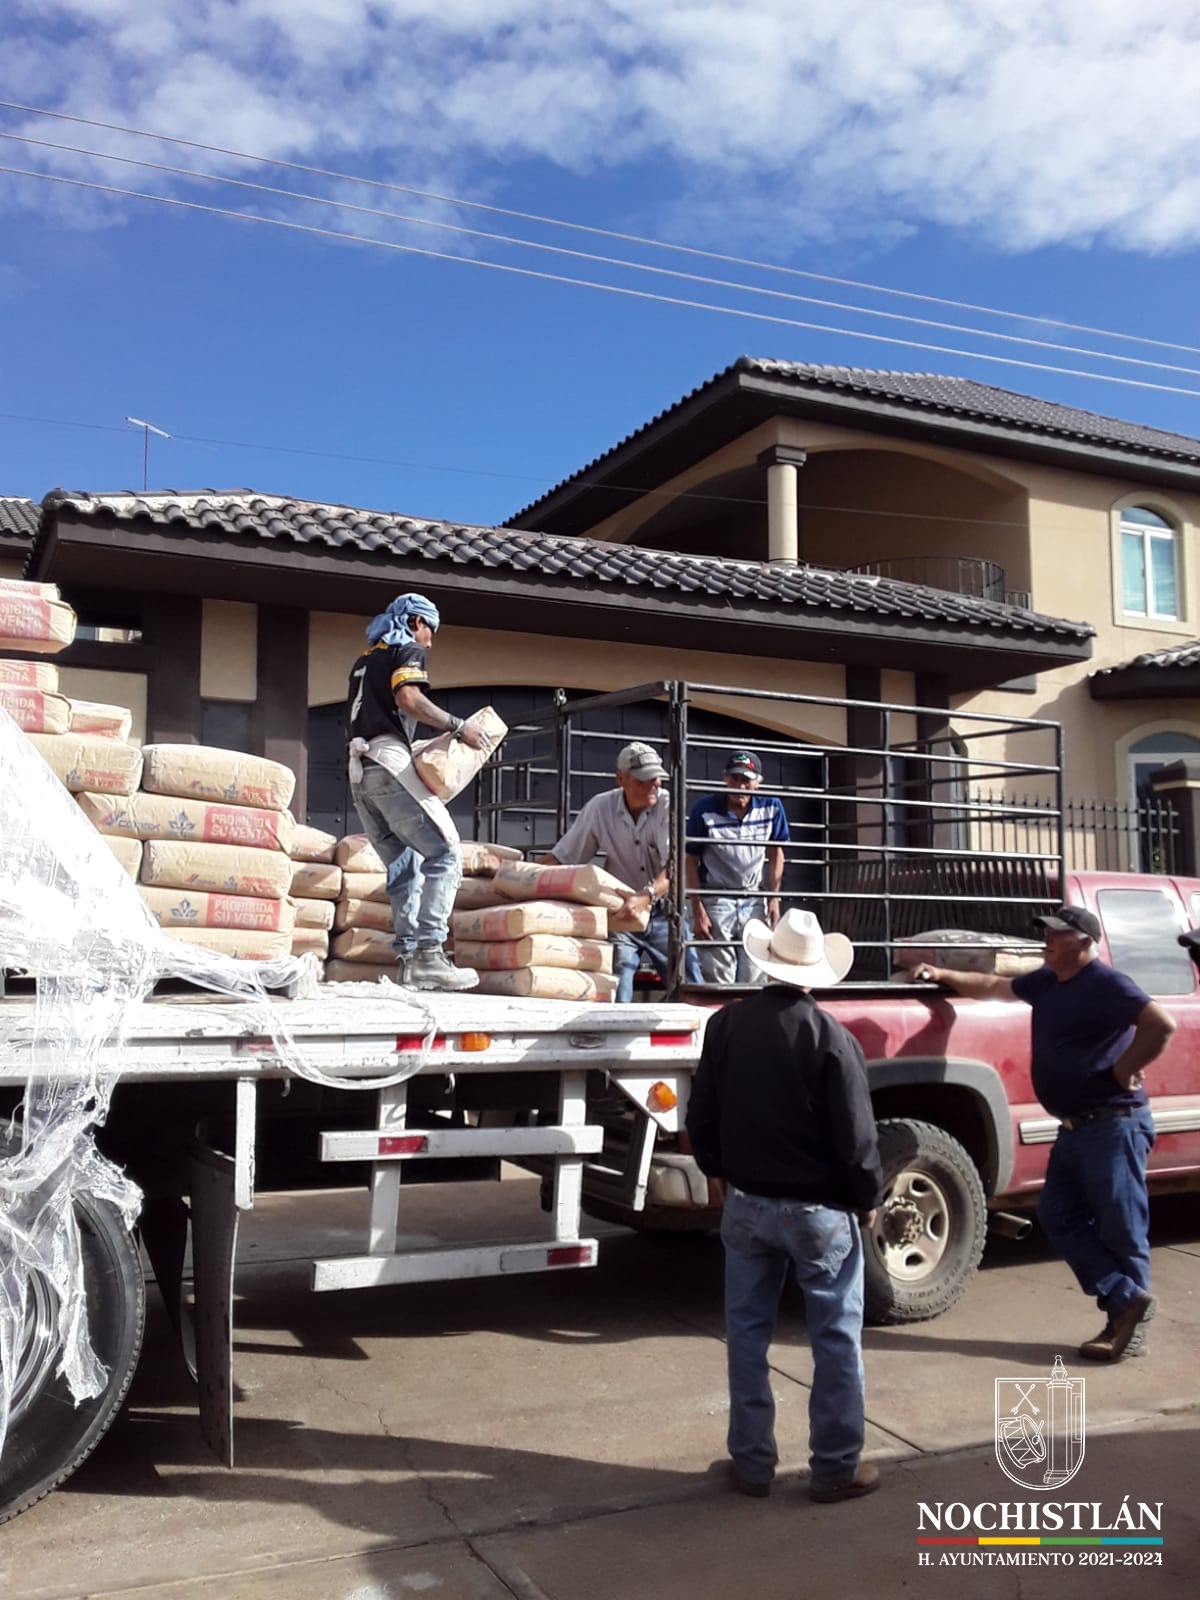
[1149,565]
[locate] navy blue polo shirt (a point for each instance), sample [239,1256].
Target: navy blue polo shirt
[1080,1028]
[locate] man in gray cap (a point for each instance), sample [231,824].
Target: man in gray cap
[631,827]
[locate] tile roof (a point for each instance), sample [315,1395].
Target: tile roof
[19,520]
[1186,654]
[931,394]
[310,523]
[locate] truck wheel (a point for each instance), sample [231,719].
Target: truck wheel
[930,1230]
[48,1435]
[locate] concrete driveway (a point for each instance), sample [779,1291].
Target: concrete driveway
[562,1435]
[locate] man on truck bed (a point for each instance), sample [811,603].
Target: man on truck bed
[781,1113]
[1094,1034]
[409,826]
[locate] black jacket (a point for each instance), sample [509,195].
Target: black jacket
[779,1104]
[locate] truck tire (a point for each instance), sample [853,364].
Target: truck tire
[930,1230]
[48,1435]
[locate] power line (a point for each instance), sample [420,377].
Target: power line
[606,233]
[588,283]
[592,256]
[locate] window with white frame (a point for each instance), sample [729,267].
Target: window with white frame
[1149,565]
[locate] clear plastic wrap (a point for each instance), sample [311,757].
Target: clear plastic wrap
[71,916]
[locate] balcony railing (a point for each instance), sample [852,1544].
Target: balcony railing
[969,575]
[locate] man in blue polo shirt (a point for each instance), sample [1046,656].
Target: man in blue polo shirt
[733,835]
[1094,1034]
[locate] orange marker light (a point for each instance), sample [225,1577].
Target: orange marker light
[475,1041]
[662,1097]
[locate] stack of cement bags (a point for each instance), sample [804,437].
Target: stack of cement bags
[552,944]
[34,618]
[316,885]
[215,834]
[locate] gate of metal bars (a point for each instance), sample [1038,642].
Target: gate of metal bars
[892,824]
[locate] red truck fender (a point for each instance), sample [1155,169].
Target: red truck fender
[981,1081]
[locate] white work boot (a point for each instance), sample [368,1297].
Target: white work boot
[430,968]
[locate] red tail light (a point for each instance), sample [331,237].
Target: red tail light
[569,1255]
[666,1040]
[414,1041]
[402,1144]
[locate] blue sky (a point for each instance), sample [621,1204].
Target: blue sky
[983,151]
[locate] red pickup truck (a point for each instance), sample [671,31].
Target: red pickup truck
[962,1137]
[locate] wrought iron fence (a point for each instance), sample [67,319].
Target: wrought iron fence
[1098,835]
[970,575]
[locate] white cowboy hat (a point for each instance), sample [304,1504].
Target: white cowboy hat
[796,951]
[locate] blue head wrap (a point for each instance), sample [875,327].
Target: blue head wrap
[390,626]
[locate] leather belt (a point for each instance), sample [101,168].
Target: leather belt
[1101,1114]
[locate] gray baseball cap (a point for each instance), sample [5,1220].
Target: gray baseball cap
[641,761]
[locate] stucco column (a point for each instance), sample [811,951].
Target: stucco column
[783,515]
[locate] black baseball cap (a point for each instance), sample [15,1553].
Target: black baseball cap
[1071,919]
[744,761]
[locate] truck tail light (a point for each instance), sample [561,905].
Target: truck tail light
[662,1097]
[665,1041]
[475,1041]
[414,1041]
[402,1144]
[569,1255]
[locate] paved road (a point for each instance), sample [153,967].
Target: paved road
[556,1436]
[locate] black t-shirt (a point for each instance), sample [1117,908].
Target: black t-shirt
[374,679]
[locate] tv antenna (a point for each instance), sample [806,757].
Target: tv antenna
[147,428]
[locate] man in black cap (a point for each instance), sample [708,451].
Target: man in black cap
[1094,1034]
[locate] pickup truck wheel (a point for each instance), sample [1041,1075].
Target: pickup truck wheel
[930,1230]
[48,1435]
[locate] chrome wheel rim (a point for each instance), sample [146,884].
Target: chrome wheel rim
[912,1229]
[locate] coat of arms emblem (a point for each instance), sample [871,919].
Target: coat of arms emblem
[1039,1428]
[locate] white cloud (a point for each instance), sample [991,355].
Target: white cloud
[1030,122]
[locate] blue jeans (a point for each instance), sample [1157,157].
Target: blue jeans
[628,949]
[825,1249]
[1095,1208]
[729,915]
[423,871]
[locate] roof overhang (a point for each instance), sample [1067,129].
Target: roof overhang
[1146,683]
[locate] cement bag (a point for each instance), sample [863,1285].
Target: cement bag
[360,971]
[39,591]
[535,950]
[533,916]
[217,869]
[623,921]
[205,773]
[938,947]
[187,908]
[363,914]
[314,913]
[476,893]
[364,886]
[310,942]
[128,852]
[356,853]
[29,622]
[482,860]
[316,880]
[548,983]
[311,844]
[85,763]
[35,711]
[364,944]
[591,886]
[160,816]
[41,675]
[447,765]
[247,944]
[110,722]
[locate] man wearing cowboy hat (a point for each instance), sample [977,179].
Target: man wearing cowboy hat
[781,1114]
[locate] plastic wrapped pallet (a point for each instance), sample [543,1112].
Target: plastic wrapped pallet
[312,844]
[549,983]
[364,886]
[363,914]
[86,764]
[30,622]
[127,851]
[314,913]
[247,944]
[203,772]
[316,880]
[109,722]
[534,950]
[446,765]
[36,711]
[475,894]
[41,675]
[359,971]
[532,916]
[160,816]
[590,886]
[483,860]
[310,942]
[191,908]
[356,853]
[216,869]
[364,944]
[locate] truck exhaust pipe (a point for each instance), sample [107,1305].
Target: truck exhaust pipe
[1009,1226]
